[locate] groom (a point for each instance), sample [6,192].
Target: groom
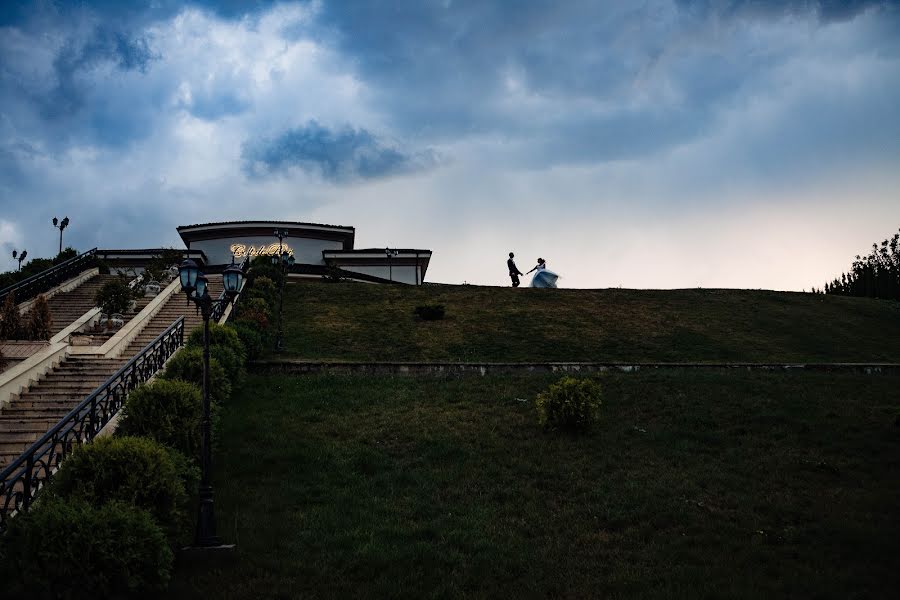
[514,271]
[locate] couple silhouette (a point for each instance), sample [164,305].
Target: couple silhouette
[543,278]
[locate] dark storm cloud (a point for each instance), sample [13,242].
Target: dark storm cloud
[337,155]
[122,50]
[825,10]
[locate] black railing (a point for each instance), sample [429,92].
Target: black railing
[52,277]
[21,480]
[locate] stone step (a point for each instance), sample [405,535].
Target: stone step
[70,383]
[39,427]
[55,403]
[39,394]
[38,413]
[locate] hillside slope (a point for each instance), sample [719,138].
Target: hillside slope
[353,321]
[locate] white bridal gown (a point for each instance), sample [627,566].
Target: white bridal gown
[544,278]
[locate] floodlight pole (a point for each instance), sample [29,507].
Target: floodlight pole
[391,253]
[60,225]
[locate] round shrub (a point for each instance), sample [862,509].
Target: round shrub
[225,346]
[187,365]
[219,335]
[132,470]
[168,411]
[256,311]
[70,549]
[570,403]
[264,287]
[251,338]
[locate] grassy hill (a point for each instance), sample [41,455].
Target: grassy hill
[355,321]
[695,485]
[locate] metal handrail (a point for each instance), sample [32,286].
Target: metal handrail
[47,279]
[21,480]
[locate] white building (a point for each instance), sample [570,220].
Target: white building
[317,249]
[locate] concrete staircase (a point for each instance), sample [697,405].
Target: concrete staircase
[29,415]
[68,307]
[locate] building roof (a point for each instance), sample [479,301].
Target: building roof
[413,251]
[210,231]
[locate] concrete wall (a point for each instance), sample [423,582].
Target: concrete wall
[306,251]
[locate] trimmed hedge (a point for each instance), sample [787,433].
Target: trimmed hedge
[70,549]
[168,411]
[187,365]
[133,470]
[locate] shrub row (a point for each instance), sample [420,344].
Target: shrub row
[108,524]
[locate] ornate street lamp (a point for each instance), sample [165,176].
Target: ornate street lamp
[20,257]
[287,261]
[195,285]
[60,225]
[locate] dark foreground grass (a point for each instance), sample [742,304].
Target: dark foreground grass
[370,322]
[693,485]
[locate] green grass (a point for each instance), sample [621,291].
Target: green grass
[693,484]
[370,322]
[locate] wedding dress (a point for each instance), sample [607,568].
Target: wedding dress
[544,278]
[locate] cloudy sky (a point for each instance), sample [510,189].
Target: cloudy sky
[651,144]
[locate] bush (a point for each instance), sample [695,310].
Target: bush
[133,470]
[262,266]
[257,312]
[38,320]
[69,549]
[333,275]
[10,319]
[264,287]
[166,411]
[114,297]
[225,346]
[570,403]
[430,312]
[219,335]
[250,337]
[187,365]
[65,255]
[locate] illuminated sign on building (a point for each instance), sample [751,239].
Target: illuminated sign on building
[242,250]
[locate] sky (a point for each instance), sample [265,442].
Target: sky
[638,144]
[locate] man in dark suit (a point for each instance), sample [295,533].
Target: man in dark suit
[514,271]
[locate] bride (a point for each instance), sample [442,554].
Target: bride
[543,278]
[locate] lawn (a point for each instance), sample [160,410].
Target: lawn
[693,484]
[354,321]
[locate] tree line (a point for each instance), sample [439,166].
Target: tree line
[874,276]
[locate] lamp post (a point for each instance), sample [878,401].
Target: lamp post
[60,225]
[194,285]
[287,261]
[391,253]
[20,257]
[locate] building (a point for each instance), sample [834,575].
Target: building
[318,250]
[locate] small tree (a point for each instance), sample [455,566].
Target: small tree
[10,320]
[114,297]
[38,320]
